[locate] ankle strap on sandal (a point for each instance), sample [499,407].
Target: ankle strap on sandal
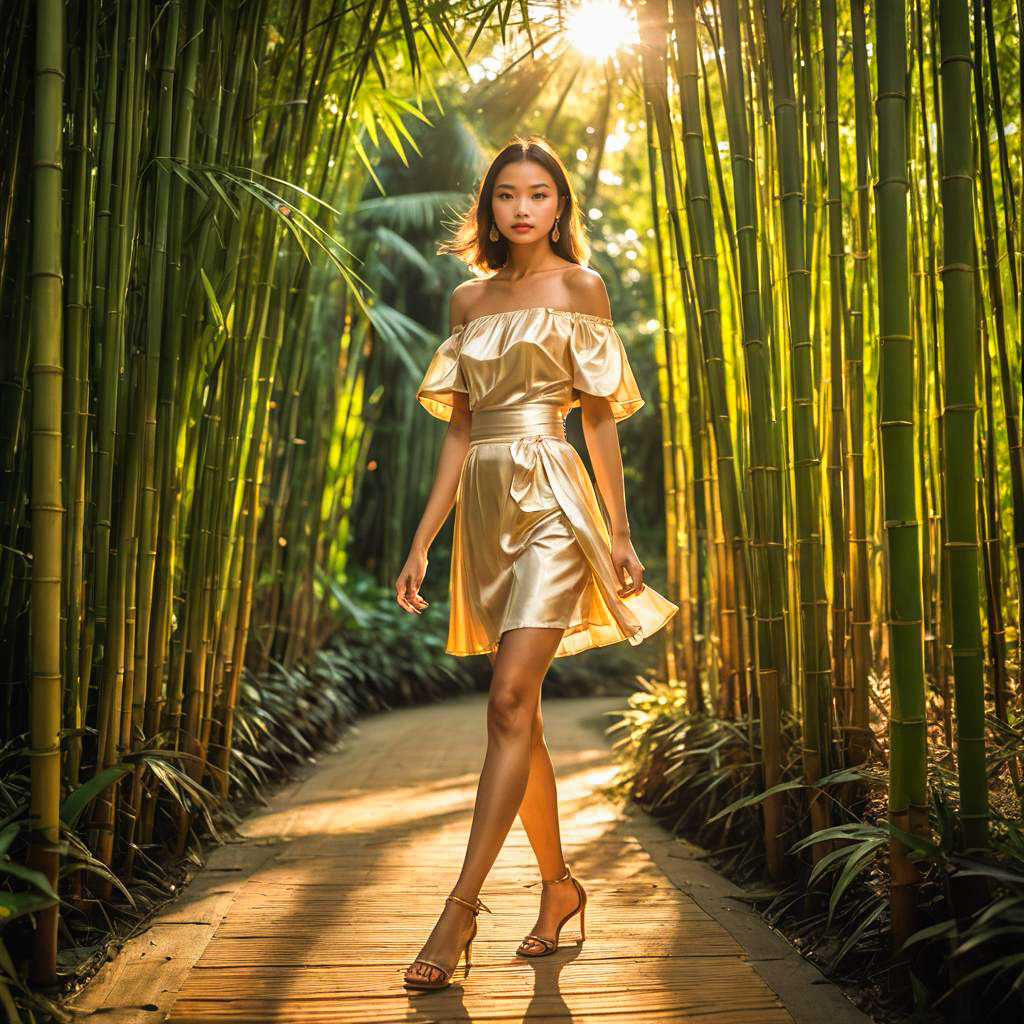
[475,907]
[551,881]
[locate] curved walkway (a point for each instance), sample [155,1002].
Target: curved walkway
[314,915]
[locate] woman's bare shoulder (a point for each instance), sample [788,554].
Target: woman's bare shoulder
[463,298]
[588,291]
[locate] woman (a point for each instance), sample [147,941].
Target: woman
[534,574]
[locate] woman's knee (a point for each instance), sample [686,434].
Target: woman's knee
[510,709]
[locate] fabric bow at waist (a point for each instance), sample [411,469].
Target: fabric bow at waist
[524,427]
[548,473]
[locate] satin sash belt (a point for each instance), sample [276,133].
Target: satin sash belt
[527,419]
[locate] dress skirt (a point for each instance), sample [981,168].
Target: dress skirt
[530,544]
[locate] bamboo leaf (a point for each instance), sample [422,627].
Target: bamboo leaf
[857,933]
[16,904]
[75,802]
[26,874]
[857,862]
[211,298]
[8,834]
[756,798]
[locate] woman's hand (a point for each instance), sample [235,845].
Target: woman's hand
[407,587]
[626,563]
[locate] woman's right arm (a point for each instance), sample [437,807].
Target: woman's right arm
[454,449]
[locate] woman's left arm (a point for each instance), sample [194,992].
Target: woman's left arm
[602,437]
[589,295]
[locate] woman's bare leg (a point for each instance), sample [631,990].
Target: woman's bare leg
[539,815]
[521,662]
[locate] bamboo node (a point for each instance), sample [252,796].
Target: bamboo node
[40,751]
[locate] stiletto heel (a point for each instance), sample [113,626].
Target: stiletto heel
[551,945]
[446,979]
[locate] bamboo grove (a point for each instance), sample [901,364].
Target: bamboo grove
[205,332]
[836,199]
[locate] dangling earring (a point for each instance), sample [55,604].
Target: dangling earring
[554,234]
[493,233]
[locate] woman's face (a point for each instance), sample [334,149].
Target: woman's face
[525,194]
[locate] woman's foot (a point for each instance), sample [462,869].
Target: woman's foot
[557,899]
[445,943]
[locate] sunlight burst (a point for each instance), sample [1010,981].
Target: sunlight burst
[598,27]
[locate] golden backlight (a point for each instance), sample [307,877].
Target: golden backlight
[598,27]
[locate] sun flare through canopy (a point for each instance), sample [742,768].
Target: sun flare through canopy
[597,28]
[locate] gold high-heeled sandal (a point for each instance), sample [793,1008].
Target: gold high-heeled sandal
[446,979]
[552,944]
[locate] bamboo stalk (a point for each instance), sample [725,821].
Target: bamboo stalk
[860,578]
[47,509]
[766,460]
[813,628]
[959,408]
[907,733]
[838,338]
[734,559]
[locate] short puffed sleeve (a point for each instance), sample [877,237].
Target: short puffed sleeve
[600,365]
[443,377]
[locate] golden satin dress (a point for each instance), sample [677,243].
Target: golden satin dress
[530,545]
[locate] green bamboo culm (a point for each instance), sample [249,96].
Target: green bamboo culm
[860,571]
[814,646]
[765,474]
[958,416]
[678,662]
[47,508]
[687,455]
[907,734]
[838,335]
[706,281]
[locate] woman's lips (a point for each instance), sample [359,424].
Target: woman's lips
[522,227]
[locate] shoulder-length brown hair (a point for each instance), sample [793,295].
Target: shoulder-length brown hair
[471,242]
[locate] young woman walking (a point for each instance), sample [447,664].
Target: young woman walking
[534,572]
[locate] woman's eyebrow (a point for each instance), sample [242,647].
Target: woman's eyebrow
[540,184]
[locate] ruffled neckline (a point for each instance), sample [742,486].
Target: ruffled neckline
[534,309]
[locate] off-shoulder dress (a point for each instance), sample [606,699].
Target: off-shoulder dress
[530,545]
